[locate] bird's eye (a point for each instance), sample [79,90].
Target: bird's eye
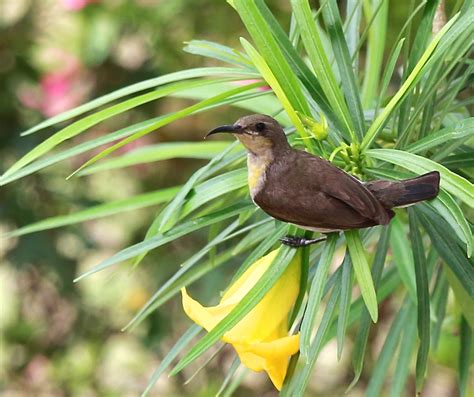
[260,127]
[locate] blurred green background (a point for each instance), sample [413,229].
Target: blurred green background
[65,339]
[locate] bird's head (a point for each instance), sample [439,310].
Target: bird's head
[259,133]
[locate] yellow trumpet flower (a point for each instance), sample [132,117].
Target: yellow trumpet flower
[261,338]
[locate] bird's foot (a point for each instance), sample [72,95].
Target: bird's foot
[296,242]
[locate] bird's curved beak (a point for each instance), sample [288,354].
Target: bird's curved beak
[231,129]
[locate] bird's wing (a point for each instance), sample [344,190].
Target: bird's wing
[336,183]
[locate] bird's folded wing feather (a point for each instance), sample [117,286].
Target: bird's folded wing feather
[341,186]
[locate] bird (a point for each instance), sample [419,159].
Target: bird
[303,189]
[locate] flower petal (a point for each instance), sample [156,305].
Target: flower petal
[206,317]
[273,357]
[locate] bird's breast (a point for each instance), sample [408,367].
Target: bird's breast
[257,168]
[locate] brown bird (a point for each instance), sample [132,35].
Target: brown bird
[297,187]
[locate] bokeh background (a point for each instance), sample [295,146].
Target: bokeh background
[65,339]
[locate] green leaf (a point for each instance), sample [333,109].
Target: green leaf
[388,73]
[182,342]
[98,211]
[375,50]
[141,86]
[423,300]
[418,71]
[260,250]
[177,232]
[255,295]
[447,247]
[75,150]
[387,353]
[194,268]
[453,183]
[279,90]
[89,121]
[217,51]
[298,65]
[333,23]
[360,343]
[230,374]
[402,369]
[160,152]
[316,293]
[206,104]
[362,272]
[320,61]
[439,301]
[171,213]
[344,303]
[302,375]
[403,257]
[272,54]
[462,130]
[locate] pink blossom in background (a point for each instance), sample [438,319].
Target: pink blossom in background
[60,89]
[76,5]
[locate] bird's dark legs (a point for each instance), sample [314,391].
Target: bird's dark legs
[295,241]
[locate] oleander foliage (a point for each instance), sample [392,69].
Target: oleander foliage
[393,110]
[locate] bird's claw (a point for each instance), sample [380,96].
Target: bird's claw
[296,242]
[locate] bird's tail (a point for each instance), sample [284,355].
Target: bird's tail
[407,192]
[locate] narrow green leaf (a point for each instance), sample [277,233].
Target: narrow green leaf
[217,51]
[465,356]
[440,300]
[260,250]
[93,119]
[418,71]
[423,299]
[263,285]
[316,293]
[271,53]
[279,90]
[333,23]
[375,50]
[402,370]
[230,374]
[171,212]
[182,342]
[141,86]
[179,231]
[98,211]
[76,150]
[453,183]
[297,385]
[462,130]
[344,303]
[385,357]
[362,272]
[360,343]
[192,269]
[403,257]
[299,66]
[320,61]
[388,74]
[214,101]
[447,246]
[160,152]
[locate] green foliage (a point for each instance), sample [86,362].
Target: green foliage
[389,133]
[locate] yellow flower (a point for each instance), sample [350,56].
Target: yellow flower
[261,338]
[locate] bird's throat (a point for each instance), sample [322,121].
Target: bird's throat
[257,167]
